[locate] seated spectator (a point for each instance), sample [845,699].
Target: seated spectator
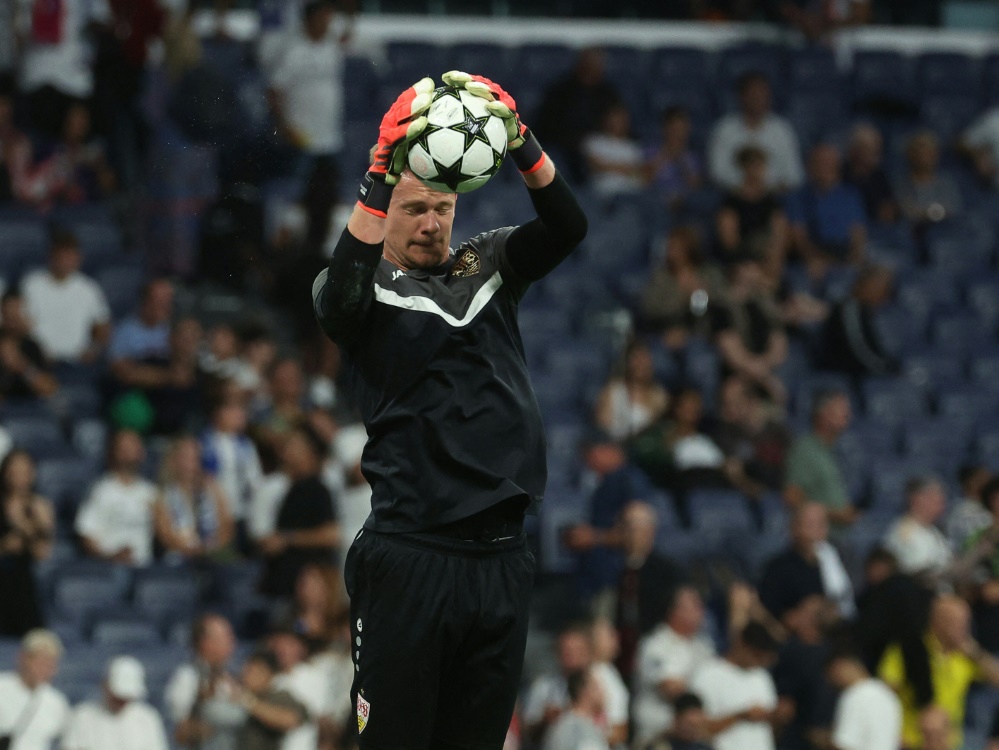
[145,335]
[229,455]
[811,566]
[548,697]
[749,333]
[633,400]
[271,713]
[925,194]
[306,530]
[15,148]
[614,159]
[672,168]
[983,545]
[751,223]
[122,719]
[813,473]
[336,664]
[606,649]
[200,699]
[24,369]
[828,221]
[738,693]
[668,658]
[32,712]
[317,607]
[191,512]
[115,521]
[27,527]
[981,143]
[286,404]
[816,19]
[689,731]
[864,169]
[684,294]
[303,680]
[755,124]
[222,359]
[956,662]
[68,311]
[578,727]
[850,339]
[868,713]
[918,545]
[969,515]
[571,109]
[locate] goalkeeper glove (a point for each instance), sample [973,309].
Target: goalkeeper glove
[523,146]
[404,121]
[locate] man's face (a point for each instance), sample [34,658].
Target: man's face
[825,166]
[836,414]
[38,667]
[690,725]
[811,525]
[756,98]
[256,676]
[64,261]
[418,226]
[687,616]
[574,652]
[129,452]
[158,304]
[218,643]
[930,502]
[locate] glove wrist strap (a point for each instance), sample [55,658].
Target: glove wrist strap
[374,194]
[529,156]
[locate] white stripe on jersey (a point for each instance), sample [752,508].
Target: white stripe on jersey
[425,304]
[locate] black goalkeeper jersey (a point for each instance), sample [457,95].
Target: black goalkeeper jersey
[438,369]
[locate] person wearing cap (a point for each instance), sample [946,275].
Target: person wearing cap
[33,714]
[123,720]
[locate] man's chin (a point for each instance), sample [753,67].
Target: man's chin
[427,257]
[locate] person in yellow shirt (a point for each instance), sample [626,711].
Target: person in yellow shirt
[956,661]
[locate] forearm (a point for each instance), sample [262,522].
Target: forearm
[326,535]
[342,293]
[717,726]
[278,718]
[140,375]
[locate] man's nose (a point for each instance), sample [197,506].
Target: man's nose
[429,223]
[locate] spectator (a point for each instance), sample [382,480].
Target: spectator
[27,527]
[301,679]
[969,515]
[122,720]
[936,729]
[850,339]
[287,402]
[738,693]
[572,107]
[984,545]
[200,697]
[221,358]
[15,148]
[355,497]
[192,513]
[810,567]
[981,142]
[336,663]
[77,170]
[755,124]
[749,333]
[868,713]
[667,660]
[924,193]
[306,530]
[689,730]
[630,402]
[681,300]
[864,170]
[317,606]
[306,97]
[828,222]
[956,662]
[145,335]
[578,728]
[230,456]
[673,169]
[33,714]
[751,223]
[813,473]
[271,713]
[548,696]
[71,318]
[914,539]
[606,649]
[817,19]
[614,159]
[265,502]
[24,370]
[115,522]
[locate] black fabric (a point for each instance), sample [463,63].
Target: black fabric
[527,156]
[799,675]
[15,384]
[754,219]
[345,295]
[851,343]
[20,610]
[308,505]
[876,190]
[438,630]
[994,731]
[787,580]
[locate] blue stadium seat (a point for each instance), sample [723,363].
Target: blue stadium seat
[961,334]
[924,291]
[77,596]
[64,481]
[991,78]
[680,67]
[949,73]
[719,515]
[933,372]
[984,370]
[983,298]
[880,76]
[888,486]
[893,400]
[949,114]
[902,330]
[987,449]
[816,115]
[122,286]
[32,409]
[813,69]
[121,631]
[577,359]
[555,558]
[101,246]
[868,438]
[939,444]
[409,61]
[815,384]
[974,405]
[40,437]
[167,593]
[490,60]
[698,106]
[360,79]
[24,244]
[90,438]
[541,64]
[735,62]
[574,290]
[81,401]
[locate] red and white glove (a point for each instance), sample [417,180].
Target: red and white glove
[524,148]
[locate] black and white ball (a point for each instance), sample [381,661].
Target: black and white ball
[463,144]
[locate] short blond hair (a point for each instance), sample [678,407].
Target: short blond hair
[40,640]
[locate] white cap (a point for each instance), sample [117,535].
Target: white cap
[126,678]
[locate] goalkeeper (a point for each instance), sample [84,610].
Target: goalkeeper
[440,576]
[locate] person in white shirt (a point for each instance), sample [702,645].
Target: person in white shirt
[969,515]
[354,497]
[616,161]
[115,522]
[868,713]
[606,646]
[70,316]
[578,728]
[981,142]
[230,456]
[123,720]
[668,658]
[33,714]
[755,125]
[739,696]
[914,539]
[304,681]
[548,695]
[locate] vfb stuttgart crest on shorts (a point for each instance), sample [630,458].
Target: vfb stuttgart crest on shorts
[363,711]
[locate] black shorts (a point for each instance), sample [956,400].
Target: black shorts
[438,628]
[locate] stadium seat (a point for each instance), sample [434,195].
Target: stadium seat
[949,73]
[973,405]
[24,243]
[542,64]
[813,69]
[814,384]
[939,444]
[493,61]
[80,401]
[90,438]
[360,79]
[408,61]
[893,400]
[902,330]
[680,67]
[26,409]
[122,632]
[959,256]
[101,246]
[735,62]
[961,334]
[122,286]
[40,437]
[983,298]
[991,78]
[869,438]
[949,114]
[881,77]
[925,291]
[816,116]
[167,593]
[984,370]
[77,596]
[64,481]
[888,486]
[932,372]
[987,449]
[719,515]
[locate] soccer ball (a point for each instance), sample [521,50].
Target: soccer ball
[463,144]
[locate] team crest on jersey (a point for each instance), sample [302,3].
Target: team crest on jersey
[467,265]
[363,711]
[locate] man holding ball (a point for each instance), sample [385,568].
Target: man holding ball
[440,576]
